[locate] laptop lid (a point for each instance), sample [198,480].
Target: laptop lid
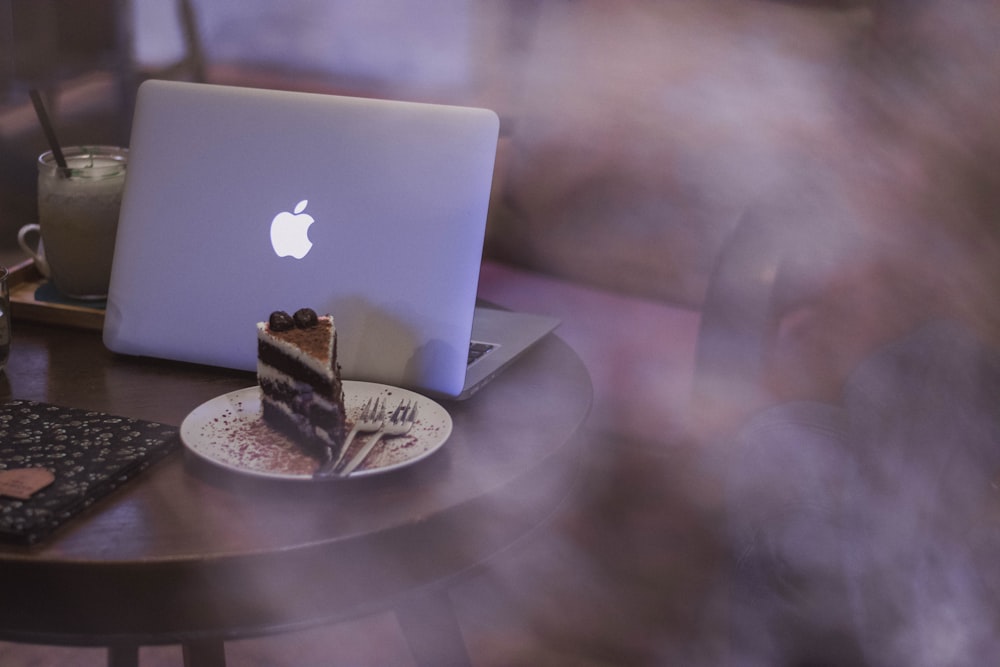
[241,201]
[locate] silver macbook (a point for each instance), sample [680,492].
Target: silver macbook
[240,201]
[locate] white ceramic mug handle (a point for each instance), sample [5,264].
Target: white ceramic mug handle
[37,254]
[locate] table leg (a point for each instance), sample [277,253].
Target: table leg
[206,653]
[432,631]
[123,655]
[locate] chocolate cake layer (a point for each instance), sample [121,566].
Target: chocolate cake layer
[283,423]
[326,418]
[276,359]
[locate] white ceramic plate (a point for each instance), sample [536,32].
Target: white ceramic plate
[228,431]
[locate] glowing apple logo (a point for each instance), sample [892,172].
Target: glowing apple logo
[290,232]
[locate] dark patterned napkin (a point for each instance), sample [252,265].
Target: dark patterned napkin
[88,453]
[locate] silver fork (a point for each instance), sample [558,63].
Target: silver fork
[398,423]
[370,419]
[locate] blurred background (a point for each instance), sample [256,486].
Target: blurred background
[633,135]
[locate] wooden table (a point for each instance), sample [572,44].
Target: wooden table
[191,554]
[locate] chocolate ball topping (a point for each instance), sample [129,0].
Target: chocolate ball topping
[305,318]
[280,321]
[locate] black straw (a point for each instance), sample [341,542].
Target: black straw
[50,133]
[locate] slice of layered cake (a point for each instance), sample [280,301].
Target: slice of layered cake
[299,379]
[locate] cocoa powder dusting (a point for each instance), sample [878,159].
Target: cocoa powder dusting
[246,442]
[314,341]
[253,445]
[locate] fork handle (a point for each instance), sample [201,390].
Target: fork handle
[363,454]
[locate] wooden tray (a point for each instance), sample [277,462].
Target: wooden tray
[24,281]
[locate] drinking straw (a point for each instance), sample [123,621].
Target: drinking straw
[50,133]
